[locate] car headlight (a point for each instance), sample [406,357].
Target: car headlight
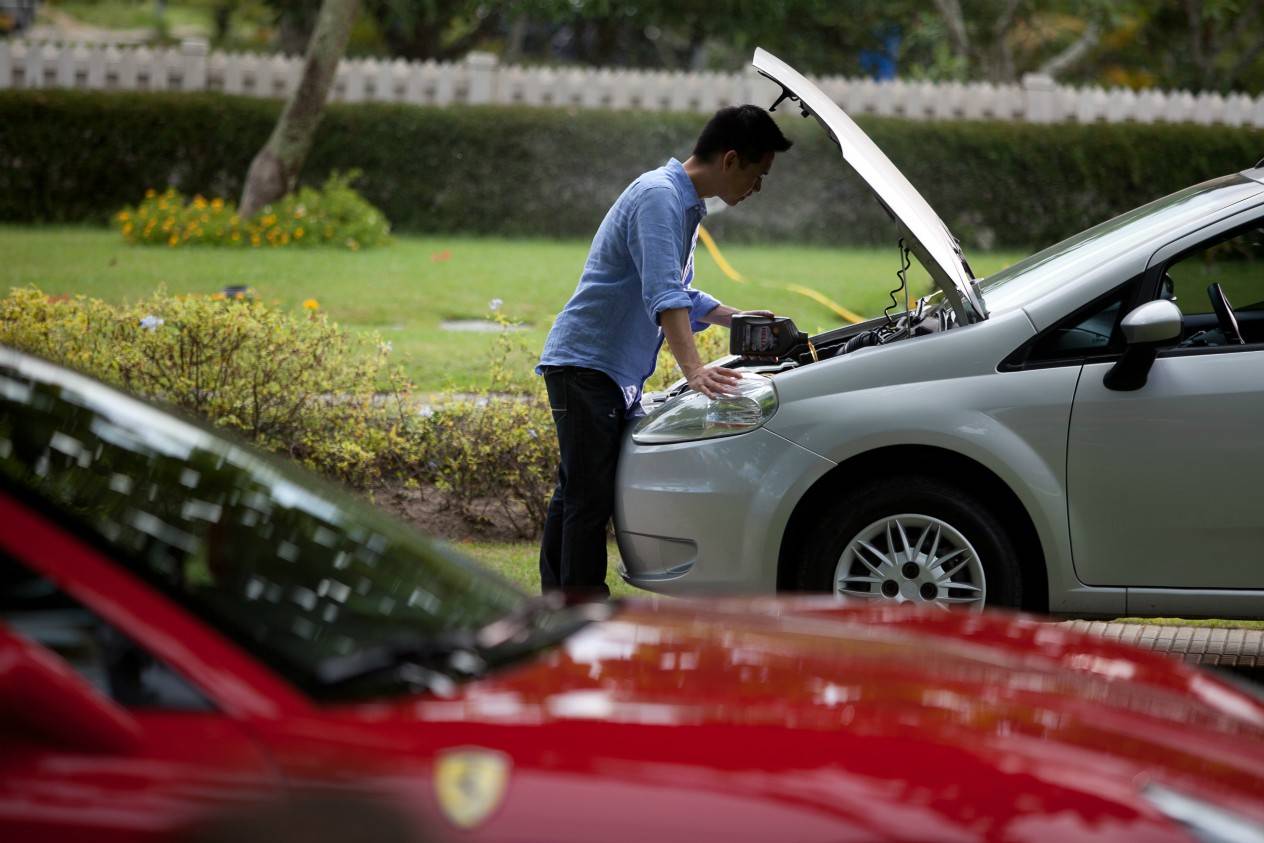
[694,416]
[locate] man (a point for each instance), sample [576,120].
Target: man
[634,291]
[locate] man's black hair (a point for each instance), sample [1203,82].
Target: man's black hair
[748,129]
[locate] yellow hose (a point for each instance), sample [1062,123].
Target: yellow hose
[725,266]
[734,275]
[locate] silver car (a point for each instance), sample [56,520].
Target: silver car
[1080,433]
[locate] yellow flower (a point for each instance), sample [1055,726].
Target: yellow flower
[122,215]
[218,296]
[199,202]
[311,304]
[173,240]
[298,233]
[217,203]
[127,229]
[150,193]
[239,295]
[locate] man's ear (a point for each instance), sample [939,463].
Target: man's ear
[730,161]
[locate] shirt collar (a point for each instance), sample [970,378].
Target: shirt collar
[684,184]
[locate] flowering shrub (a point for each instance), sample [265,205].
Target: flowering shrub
[294,384]
[495,450]
[334,215]
[492,454]
[299,385]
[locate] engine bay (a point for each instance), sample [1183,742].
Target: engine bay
[930,315]
[924,318]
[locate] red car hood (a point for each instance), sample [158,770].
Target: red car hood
[742,716]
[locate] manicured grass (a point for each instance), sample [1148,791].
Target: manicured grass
[405,290]
[1212,622]
[519,563]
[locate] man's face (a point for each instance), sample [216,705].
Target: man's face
[741,180]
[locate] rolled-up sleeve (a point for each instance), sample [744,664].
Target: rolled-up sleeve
[702,304]
[654,242]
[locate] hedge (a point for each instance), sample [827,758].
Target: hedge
[69,156]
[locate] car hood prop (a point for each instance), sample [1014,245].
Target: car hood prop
[924,232]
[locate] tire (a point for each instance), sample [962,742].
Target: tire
[986,559]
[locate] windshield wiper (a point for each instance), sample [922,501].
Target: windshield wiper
[436,663]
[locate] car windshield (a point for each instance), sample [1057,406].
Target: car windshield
[286,564]
[1033,277]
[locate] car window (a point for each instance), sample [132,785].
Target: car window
[1090,332]
[296,570]
[1236,263]
[35,608]
[1083,335]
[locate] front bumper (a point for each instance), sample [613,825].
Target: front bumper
[708,516]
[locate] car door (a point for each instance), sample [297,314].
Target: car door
[99,739]
[1163,480]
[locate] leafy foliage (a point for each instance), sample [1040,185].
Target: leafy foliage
[302,386]
[333,215]
[66,156]
[295,384]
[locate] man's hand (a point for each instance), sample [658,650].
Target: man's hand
[713,381]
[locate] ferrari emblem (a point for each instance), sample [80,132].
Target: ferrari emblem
[470,784]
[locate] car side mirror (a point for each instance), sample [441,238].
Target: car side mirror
[1145,328]
[44,698]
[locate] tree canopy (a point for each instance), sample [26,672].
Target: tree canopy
[1192,44]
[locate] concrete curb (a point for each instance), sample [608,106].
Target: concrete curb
[1219,646]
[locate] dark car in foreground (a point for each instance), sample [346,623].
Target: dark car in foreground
[189,626]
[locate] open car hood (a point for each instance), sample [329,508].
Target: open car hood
[923,231]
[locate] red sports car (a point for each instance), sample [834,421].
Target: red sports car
[188,626]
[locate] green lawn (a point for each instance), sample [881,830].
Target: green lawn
[519,563]
[1212,622]
[405,290]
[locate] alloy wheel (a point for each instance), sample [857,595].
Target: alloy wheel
[912,559]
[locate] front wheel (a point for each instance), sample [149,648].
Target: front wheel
[912,539]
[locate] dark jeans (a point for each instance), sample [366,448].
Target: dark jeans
[588,411]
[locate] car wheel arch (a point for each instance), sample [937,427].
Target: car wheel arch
[934,462]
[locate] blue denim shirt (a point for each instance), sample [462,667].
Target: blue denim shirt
[640,264]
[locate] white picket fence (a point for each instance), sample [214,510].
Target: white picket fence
[480,79]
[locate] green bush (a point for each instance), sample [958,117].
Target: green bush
[496,453]
[66,156]
[294,384]
[333,215]
[302,386]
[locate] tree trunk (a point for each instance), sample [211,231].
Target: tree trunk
[274,172]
